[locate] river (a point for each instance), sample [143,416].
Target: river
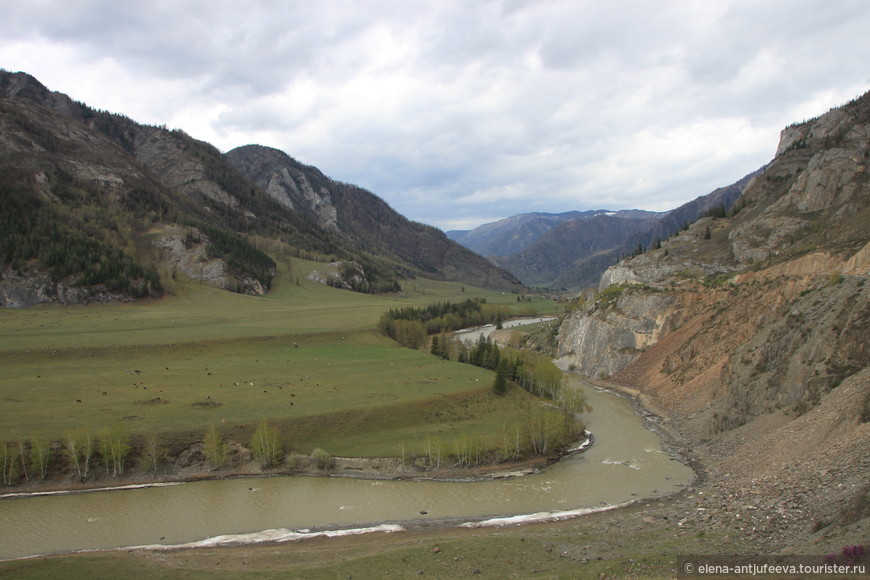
[472,335]
[626,462]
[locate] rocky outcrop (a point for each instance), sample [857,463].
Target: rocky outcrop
[285,180]
[347,275]
[163,153]
[614,331]
[184,251]
[26,289]
[285,187]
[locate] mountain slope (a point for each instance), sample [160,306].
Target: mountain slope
[764,311]
[583,246]
[748,334]
[137,205]
[513,234]
[364,219]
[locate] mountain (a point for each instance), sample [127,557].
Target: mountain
[571,250]
[748,333]
[514,234]
[574,253]
[363,219]
[95,206]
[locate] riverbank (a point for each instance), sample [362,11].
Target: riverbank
[372,468]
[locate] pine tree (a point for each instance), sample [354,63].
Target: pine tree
[501,377]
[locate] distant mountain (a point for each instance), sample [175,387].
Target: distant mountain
[575,253]
[94,206]
[514,234]
[571,250]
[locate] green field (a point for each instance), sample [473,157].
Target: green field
[306,356]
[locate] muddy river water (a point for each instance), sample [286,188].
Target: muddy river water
[626,462]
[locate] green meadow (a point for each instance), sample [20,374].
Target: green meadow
[307,357]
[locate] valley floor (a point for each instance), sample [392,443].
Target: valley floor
[789,486]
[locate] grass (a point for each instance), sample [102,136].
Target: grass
[303,356]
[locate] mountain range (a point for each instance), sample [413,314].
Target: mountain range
[571,250]
[95,206]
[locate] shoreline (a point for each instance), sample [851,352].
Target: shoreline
[655,420]
[367,468]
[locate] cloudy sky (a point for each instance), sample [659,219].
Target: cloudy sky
[461,112]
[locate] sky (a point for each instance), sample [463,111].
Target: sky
[463,112]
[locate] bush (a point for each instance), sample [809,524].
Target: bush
[322,459]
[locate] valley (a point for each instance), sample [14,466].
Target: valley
[180,313]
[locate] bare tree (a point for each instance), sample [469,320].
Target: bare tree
[215,447]
[71,448]
[22,454]
[40,451]
[115,444]
[8,460]
[154,453]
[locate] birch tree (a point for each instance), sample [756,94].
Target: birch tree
[214,447]
[88,450]
[8,463]
[71,451]
[266,445]
[153,453]
[79,449]
[115,444]
[22,455]
[40,451]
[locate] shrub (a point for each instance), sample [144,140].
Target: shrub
[322,459]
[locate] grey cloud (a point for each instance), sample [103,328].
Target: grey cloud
[483,108]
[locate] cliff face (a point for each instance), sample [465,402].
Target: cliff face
[284,179]
[764,311]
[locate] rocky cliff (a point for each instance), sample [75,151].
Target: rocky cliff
[766,309]
[750,336]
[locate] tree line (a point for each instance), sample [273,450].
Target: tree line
[532,371]
[411,326]
[111,451]
[81,452]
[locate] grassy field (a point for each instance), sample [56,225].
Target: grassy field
[305,356]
